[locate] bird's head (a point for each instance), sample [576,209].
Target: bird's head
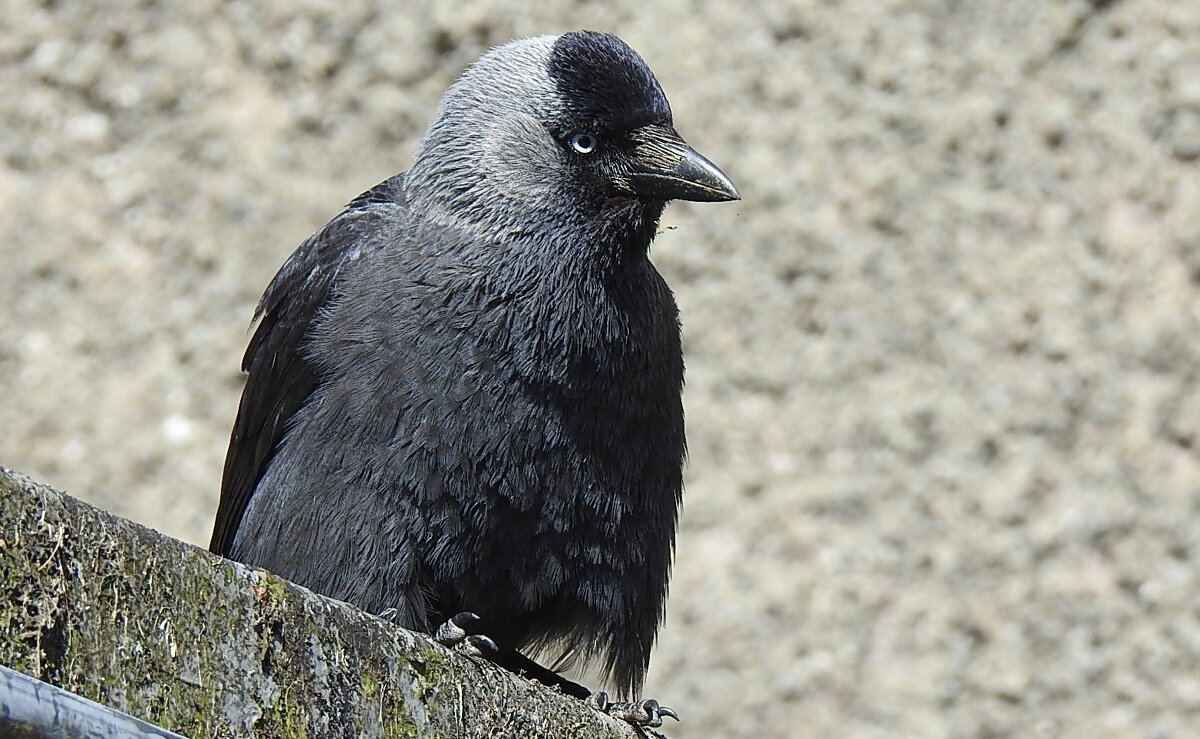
[559,127]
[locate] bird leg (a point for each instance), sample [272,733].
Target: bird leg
[648,712]
[460,633]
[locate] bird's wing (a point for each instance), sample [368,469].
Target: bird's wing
[281,377]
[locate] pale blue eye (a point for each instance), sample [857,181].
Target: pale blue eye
[583,143]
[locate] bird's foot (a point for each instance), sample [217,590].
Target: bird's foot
[388,614]
[459,633]
[639,713]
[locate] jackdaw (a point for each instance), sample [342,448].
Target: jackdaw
[464,390]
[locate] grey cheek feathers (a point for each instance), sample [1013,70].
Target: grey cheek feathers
[499,86]
[486,152]
[521,161]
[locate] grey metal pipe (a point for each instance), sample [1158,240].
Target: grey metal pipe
[32,709]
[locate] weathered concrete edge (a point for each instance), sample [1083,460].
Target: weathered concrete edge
[178,637]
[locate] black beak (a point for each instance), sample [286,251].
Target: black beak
[664,167]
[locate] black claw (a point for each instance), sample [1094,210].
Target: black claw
[599,701]
[480,646]
[458,633]
[459,627]
[648,712]
[388,614]
[467,620]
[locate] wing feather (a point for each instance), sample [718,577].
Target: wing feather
[280,376]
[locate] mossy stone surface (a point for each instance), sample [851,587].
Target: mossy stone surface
[207,647]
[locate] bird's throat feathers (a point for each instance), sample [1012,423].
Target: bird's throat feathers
[495,181]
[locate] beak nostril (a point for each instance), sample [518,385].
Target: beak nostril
[693,177]
[665,167]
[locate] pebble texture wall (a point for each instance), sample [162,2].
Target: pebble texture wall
[943,396]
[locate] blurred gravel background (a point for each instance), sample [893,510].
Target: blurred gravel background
[943,392]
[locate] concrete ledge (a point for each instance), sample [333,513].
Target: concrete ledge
[185,640]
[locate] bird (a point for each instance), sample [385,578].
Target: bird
[463,396]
